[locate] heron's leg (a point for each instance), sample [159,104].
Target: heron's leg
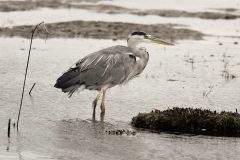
[94,103]
[103,103]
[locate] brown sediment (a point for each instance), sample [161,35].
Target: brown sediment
[226,9]
[102,30]
[111,9]
[8,6]
[189,120]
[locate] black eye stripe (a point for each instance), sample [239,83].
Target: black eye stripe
[139,33]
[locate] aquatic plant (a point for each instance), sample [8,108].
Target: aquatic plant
[189,120]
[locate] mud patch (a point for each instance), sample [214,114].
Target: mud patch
[111,9]
[7,6]
[102,30]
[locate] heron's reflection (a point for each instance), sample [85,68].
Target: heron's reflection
[89,129]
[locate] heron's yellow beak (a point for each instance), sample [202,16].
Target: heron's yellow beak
[158,40]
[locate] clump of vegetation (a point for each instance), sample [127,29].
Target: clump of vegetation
[189,120]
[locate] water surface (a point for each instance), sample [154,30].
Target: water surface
[55,127]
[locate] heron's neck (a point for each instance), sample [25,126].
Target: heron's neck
[143,56]
[134,47]
[132,44]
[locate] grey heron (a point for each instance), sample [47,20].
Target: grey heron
[108,67]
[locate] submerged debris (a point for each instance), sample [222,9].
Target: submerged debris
[208,91]
[121,132]
[189,120]
[226,73]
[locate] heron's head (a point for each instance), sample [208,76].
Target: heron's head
[139,37]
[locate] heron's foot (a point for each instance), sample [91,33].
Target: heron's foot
[94,104]
[102,115]
[102,108]
[93,117]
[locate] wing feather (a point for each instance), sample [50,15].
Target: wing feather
[110,66]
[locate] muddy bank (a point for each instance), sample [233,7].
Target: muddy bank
[102,30]
[110,9]
[230,10]
[188,120]
[7,6]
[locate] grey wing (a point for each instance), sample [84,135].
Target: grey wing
[107,67]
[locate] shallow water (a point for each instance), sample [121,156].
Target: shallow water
[211,27]
[53,126]
[188,5]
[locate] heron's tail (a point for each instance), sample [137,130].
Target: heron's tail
[70,81]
